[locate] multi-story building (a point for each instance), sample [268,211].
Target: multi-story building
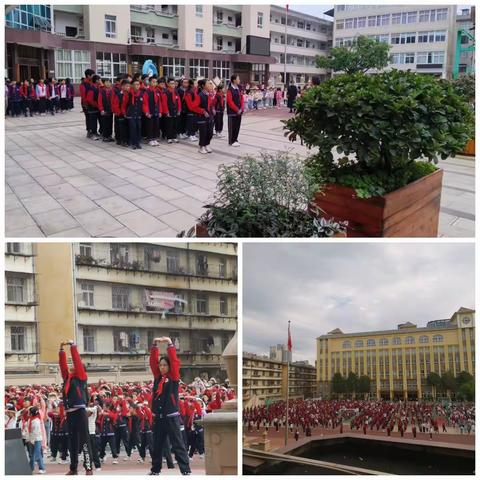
[280,353]
[399,361]
[265,379]
[465,26]
[422,37]
[306,37]
[21,346]
[114,299]
[189,40]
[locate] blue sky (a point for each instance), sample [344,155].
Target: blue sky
[354,286]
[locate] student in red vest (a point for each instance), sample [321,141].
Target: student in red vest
[85,86]
[165,405]
[105,109]
[92,107]
[205,113]
[122,86]
[162,119]
[41,95]
[152,123]
[219,106]
[234,110]
[71,93]
[29,97]
[64,94]
[52,96]
[182,120]
[133,106]
[75,402]
[171,109]
[191,99]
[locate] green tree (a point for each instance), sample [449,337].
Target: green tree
[338,383]
[352,383]
[464,377]
[467,391]
[363,55]
[363,384]
[465,87]
[449,382]
[434,380]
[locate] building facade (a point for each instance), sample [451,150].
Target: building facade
[21,328]
[114,299]
[181,40]
[422,37]
[398,362]
[265,380]
[306,37]
[280,353]
[466,24]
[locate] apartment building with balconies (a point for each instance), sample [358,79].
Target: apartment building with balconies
[422,37]
[113,299]
[306,37]
[21,347]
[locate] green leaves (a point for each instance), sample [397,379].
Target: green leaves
[384,123]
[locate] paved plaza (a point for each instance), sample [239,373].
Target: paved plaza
[61,184]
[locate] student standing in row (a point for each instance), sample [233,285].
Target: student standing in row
[41,93]
[219,105]
[152,97]
[105,109]
[205,114]
[171,109]
[134,105]
[234,110]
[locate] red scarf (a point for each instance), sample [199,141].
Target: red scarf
[160,385]
[30,422]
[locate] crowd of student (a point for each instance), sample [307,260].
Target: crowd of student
[140,416]
[362,415]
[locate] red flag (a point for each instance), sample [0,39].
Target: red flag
[289,338]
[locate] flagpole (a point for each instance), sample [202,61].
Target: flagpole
[288,386]
[285,51]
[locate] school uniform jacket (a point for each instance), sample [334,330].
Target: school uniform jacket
[41,91]
[105,100]
[165,387]
[234,101]
[153,99]
[219,102]
[117,101]
[171,104]
[204,104]
[74,384]
[92,96]
[134,104]
[84,89]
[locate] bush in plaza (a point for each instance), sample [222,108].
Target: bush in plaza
[265,197]
[381,124]
[465,87]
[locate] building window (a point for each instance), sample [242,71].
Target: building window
[110,65]
[423,339]
[199,38]
[346,344]
[88,340]
[440,36]
[361,22]
[260,20]
[437,339]
[125,340]
[198,68]
[173,67]
[223,305]
[397,341]
[359,343]
[110,26]
[120,298]
[202,303]
[30,17]
[151,34]
[222,268]
[17,339]
[427,58]
[442,14]
[370,342]
[424,15]
[86,249]
[409,341]
[201,265]
[221,69]
[119,255]
[88,294]
[71,64]
[340,24]
[173,261]
[383,341]
[199,10]
[136,33]
[16,289]
[14,247]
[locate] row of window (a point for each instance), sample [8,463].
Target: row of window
[396,341]
[435,15]
[300,42]
[404,38]
[165,301]
[300,24]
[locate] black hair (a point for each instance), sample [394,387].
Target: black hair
[170,79]
[89,72]
[153,77]
[166,360]
[95,78]
[161,80]
[201,83]
[105,79]
[119,77]
[233,77]
[125,82]
[144,76]
[33,410]
[191,82]
[136,76]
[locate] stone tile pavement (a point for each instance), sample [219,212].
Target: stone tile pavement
[61,184]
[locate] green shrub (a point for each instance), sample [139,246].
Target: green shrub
[381,124]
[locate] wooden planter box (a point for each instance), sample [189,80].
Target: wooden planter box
[410,211]
[469,148]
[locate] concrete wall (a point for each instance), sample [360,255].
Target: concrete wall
[189,22]
[94,19]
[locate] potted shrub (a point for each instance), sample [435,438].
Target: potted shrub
[264,197]
[380,126]
[465,86]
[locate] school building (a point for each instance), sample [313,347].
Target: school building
[114,299]
[399,361]
[265,380]
[181,40]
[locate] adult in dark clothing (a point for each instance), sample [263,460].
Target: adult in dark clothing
[165,403]
[75,402]
[292,93]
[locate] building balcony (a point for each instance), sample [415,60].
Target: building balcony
[77,9]
[299,32]
[153,42]
[295,50]
[154,19]
[20,312]
[295,68]
[227,30]
[144,319]
[19,263]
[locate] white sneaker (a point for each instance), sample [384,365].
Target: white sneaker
[41,472]
[202,150]
[208,149]
[235,144]
[193,138]
[152,143]
[99,469]
[169,141]
[175,140]
[115,461]
[125,458]
[140,460]
[220,135]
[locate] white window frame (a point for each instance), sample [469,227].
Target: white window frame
[259,19]
[199,10]
[88,293]
[199,38]
[22,333]
[17,289]
[111,26]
